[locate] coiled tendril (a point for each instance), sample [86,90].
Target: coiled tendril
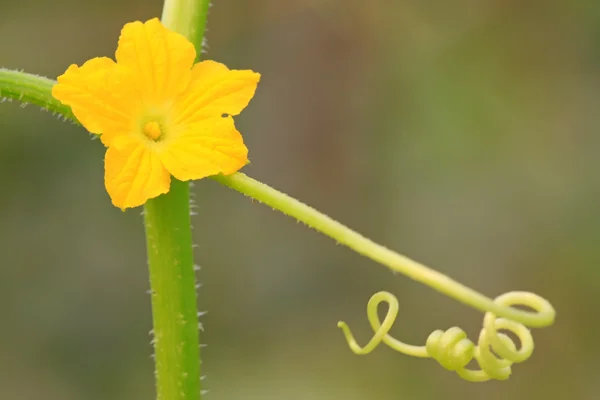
[495,352]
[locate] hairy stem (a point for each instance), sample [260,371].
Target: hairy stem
[172,281]
[377,252]
[187,17]
[34,89]
[170,255]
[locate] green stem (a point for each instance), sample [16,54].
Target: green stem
[187,17]
[34,89]
[378,253]
[170,255]
[172,281]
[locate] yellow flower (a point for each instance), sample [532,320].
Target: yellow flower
[158,113]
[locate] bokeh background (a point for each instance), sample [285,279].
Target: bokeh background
[461,133]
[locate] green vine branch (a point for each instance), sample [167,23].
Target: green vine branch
[362,245]
[32,89]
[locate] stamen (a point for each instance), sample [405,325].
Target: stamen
[152,130]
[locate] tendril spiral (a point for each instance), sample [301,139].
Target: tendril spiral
[495,352]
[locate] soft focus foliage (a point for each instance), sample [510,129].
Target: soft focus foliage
[462,134]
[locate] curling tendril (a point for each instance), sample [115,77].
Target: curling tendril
[495,352]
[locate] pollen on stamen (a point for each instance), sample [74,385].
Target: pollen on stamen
[152,130]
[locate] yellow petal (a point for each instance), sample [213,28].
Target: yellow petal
[214,90]
[160,59]
[134,174]
[205,148]
[100,97]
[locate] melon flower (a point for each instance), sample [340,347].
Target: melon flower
[158,113]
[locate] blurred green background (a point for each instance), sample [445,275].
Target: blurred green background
[461,133]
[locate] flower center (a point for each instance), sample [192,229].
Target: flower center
[152,130]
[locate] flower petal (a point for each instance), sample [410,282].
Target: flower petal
[160,59]
[214,90]
[205,148]
[100,96]
[134,174]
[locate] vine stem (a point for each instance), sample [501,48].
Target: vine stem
[34,89]
[170,254]
[362,245]
[187,17]
[173,293]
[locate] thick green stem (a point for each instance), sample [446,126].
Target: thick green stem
[174,309]
[170,255]
[187,17]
